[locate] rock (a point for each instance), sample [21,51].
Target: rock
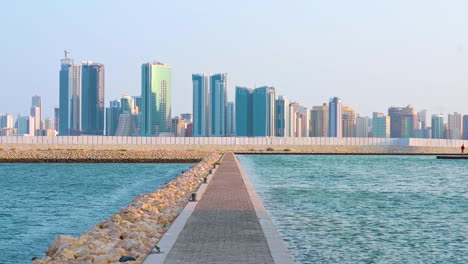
[59,242]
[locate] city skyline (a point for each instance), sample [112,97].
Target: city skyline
[379,51]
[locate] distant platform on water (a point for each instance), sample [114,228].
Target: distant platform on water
[460,156]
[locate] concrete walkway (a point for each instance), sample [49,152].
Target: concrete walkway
[225,227]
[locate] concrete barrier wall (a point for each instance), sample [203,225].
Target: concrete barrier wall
[273,141]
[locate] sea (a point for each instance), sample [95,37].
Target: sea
[38,202]
[365,208]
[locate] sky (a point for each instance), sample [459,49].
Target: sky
[371,54]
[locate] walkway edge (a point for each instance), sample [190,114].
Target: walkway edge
[278,249]
[170,237]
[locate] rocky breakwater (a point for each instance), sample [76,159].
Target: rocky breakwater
[100,156]
[136,228]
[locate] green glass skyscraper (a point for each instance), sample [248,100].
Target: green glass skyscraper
[156,99]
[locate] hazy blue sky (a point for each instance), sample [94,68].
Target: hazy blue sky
[372,54]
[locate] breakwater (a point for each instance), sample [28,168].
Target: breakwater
[136,228]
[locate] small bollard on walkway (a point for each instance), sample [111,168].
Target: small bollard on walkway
[193,198]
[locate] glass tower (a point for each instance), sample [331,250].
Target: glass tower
[437,128]
[283,120]
[200,105]
[69,102]
[218,101]
[92,114]
[244,117]
[156,99]
[335,118]
[264,112]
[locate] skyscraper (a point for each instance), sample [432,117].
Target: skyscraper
[437,124]
[112,117]
[56,118]
[218,101]
[127,104]
[455,126]
[395,121]
[70,91]
[231,119]
[381,125]
[25,125]
[201,107]
[244,109]
[423,117]
[349,120]
[302,126]
[362,127]
[188,117]
[6,121]
[335,118]
[283,119]
[319,116]
[465,127]
[264,111]
[36,112]
[408,122]
[92,113]
[156,99]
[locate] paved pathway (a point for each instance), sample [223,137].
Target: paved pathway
[224,227]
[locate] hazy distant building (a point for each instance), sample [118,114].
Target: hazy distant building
[437,124]
[137,101]
[231,119]
[283,120]
[465,127]
[264,111]
[57,118]
[423,117]
[112,117]
[335,122]
[70,97]
[6,121]
[455,126]
[408,122]
[36,112]
[381,125]
[218,103]
[349,119]
[319,117]
[92,83]
[362,127]
[178,126]
[244,112]
[25,125]
[156,99]
[187,117]
[127,104]
[127,125]
[395,121]
[302,120]
[201,105]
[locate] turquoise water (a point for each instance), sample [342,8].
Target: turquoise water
[366,209]
[40,201]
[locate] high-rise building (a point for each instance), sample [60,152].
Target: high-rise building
[127,104]
[362,127]
[244,112]
[112,117]
[319,116]
[455,126]
[178,126]
[218,101]
[187,117]
[335,122]
[156,99]
[349,119]
[127,125]
[302,127]
[70,97]
[137,100]
[283,119]
[6,121]
[56,118]
[465,127]
[381,125]
[408,122]
[395,121]
[423,117]
[437,124]
[201,106]
[264,111]
[92,114]
[36,112]
[230,119]
[25,125]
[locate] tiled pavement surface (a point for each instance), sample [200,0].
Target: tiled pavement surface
[224,227]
